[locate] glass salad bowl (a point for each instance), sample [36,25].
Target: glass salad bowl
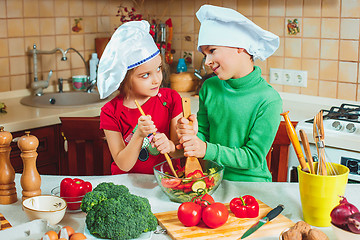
[183,189]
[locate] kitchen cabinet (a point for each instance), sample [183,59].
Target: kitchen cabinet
[278,156]
[47,161]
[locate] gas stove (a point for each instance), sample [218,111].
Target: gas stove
[342,139]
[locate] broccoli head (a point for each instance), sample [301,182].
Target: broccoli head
[91,199]
[121,215]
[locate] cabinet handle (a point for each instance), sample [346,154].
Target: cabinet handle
[65,142]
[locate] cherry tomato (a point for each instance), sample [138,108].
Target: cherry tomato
[215,215]
[189,214]
[170,182]
[203,200]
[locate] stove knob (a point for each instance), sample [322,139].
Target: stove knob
[336,125]
[350,127]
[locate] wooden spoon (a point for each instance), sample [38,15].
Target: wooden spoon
[192,163]
[307,150]
[167,157]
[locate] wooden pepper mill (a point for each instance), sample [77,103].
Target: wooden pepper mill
[30,179]
[7,174]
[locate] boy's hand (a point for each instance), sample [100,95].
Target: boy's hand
[145,126]
[183,126]
[193,146]
[162,143]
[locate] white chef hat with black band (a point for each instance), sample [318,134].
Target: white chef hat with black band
[130,46]
[227,27]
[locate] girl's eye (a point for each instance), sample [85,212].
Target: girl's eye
[146,75]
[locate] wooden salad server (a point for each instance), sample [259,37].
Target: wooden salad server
[168,159]
[295,141]
[192,163]
[307,150]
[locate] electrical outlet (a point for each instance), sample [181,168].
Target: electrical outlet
[288,77]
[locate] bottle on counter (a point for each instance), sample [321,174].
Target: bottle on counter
[93,65]
[181,67]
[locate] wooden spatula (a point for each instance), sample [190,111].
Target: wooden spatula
[192,163]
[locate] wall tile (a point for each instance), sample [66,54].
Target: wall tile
[311,27]
[4,49]
[293,47]
[311,48]
[89,40]
[277,8]
[17,82]
[328,70]
[261,22]
[76,61]
[62,26]
[274,26]
[280,50]
[32,27]
[349,50]
[62,8]
[175,8]
[3,29]
[291,89]
[47,63]
[16,47]
[330,28]
[14,8]
[17,65]
[15,27]
[4,67]
[47,26]
[312,8]
[312,67]
[104,24]
[261,9]
[348,72]
[31,8]
[187,8]
[245,7]
[330,8]
[2,9]
[294,8]
[90,8]
[4,84]
[350,8]
[89,24]
[228,4]
[312,88]
[349,29]
[46,8]
[62,41]
[292,63]
[187,25]
[347,91]
[327,89]
[329,49]
[76,8]
[77,42]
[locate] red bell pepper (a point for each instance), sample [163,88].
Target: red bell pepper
[195,174]
[245,207]
[72,190]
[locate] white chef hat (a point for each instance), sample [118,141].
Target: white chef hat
[130,46]
[227,27]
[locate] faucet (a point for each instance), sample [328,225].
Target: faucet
[197,72]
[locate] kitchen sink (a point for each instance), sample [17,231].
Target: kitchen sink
[64,99]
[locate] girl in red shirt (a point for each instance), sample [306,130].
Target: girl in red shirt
[131,63]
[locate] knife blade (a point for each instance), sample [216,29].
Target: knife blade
[270,216]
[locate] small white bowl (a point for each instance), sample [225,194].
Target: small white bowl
[48,207]
[342,234]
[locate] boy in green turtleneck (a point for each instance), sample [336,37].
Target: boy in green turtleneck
[239,112]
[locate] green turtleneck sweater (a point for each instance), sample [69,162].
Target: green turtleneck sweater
[238,119]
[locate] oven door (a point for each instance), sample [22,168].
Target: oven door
[351,159]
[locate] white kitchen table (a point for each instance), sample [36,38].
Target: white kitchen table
[271,194]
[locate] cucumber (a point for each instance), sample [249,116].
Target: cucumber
[197,185]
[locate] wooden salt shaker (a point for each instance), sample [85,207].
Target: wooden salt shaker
[30,179]
[7,174]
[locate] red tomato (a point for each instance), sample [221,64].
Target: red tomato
[189,214]
[215,215]
[203,200]
[170,182]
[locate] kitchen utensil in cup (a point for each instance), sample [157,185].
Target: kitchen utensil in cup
[79,82]
[319,194]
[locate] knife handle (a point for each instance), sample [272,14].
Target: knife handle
[275,212]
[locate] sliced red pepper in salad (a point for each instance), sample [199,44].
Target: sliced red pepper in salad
[72,190]
[245,207]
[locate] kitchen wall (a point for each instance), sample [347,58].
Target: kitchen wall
[327,45]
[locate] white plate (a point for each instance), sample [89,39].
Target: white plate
[31,230]
[144,236]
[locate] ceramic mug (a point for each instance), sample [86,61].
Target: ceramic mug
[79,82]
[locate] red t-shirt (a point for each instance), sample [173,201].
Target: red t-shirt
[162,108]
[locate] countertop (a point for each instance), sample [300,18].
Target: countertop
[20,117]
[144,185]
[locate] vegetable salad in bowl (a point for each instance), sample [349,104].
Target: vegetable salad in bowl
[184,188]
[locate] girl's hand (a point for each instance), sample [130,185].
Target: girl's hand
[162,143]
[145,126]
[193,146]
[184,128]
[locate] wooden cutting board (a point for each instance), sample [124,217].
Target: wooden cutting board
[4,223]
[232,229]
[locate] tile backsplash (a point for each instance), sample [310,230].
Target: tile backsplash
[327,45]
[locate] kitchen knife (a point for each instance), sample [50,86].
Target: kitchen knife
[270,216]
